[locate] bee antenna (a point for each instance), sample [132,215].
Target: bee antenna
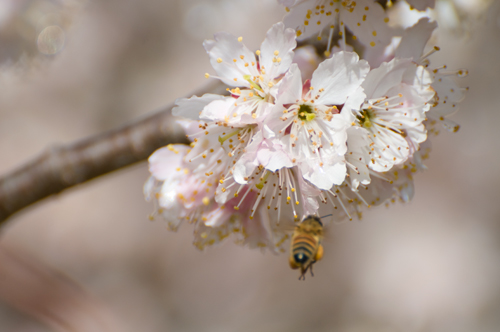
[328,215]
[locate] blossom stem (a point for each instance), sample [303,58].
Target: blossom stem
[63,166]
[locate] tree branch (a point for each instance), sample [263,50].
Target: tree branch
[63,166]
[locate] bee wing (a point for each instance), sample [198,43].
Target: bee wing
[329,228]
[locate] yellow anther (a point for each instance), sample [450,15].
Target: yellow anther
[219,60]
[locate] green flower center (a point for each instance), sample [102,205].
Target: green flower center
[365,118]
[306,112]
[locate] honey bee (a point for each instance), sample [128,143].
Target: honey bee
[306,248]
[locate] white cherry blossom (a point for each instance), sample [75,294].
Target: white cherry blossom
[448,94]
[237,66]
[366,19]
[393,113]
[285,143]
[309,113]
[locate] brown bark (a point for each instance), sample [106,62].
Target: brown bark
[63,166]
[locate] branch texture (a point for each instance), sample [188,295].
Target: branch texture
[61,167]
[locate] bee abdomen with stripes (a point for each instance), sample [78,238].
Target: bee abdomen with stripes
[306,248]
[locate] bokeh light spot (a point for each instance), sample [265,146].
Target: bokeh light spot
[51,40]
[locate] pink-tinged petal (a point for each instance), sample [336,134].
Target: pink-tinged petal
[277,50]
[338,77]
[381,79]
[290,90]
[164,162]
[218,110]
[414,39]
[367,21]
[191,108]
[216,217]
[228,57]
[421,4]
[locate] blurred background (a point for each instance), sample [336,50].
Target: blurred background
[90,260]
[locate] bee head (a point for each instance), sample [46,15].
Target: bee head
[315,218]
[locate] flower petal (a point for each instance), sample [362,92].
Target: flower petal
[217,110]
[414,39]
[290,90]
[164,162]
[277,50]
[191,108]
[381,79]
[228,57]
[338,77]
[367,21]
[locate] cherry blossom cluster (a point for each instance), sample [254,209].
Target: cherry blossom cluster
[303,132]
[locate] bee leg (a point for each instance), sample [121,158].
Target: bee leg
[311,268]
[302,274]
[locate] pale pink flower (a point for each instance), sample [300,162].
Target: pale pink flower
[448,94]
[309,114]
[393,114]
[366,19]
